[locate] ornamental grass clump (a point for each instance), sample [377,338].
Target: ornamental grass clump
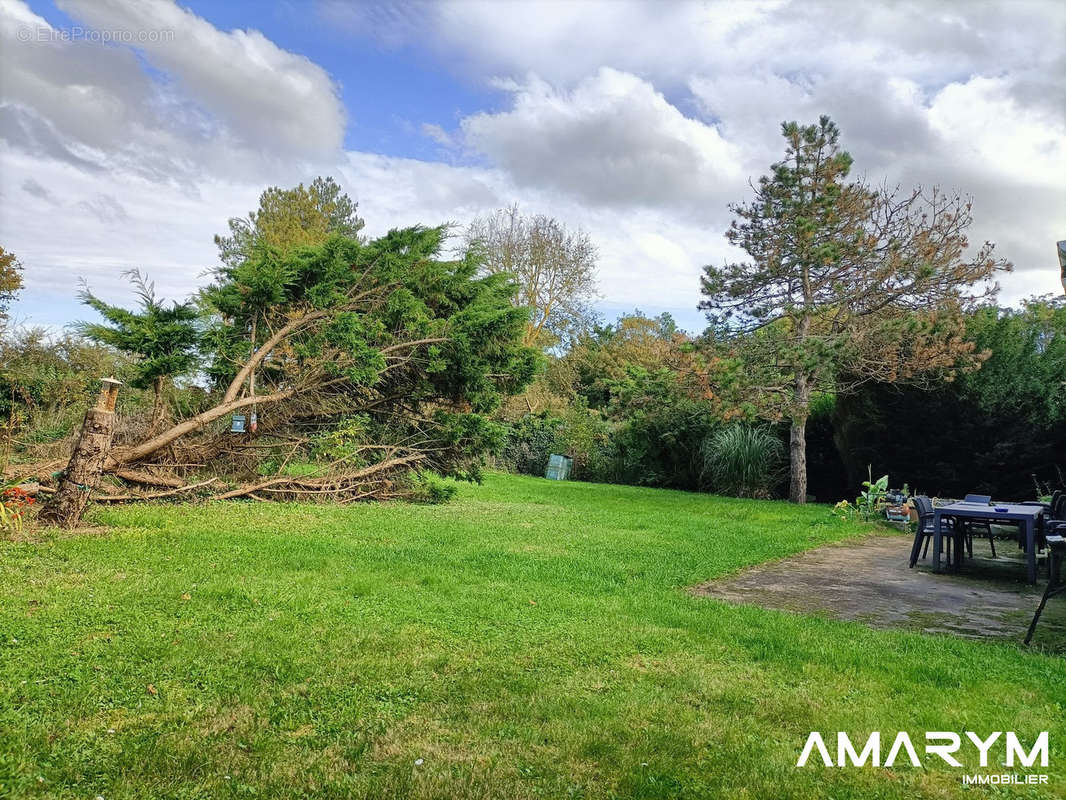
[743,461]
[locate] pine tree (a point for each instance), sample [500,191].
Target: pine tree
[845,284]
[163,338]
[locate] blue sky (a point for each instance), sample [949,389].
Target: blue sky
[388,92]
[636,122]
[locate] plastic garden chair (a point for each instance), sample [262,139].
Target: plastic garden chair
[924,532]
[971,524]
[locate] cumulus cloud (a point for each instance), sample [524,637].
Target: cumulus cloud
[668,43]
[560,41]
[264,96]
[968,97]
[636,121]
[215,101]
[613,140]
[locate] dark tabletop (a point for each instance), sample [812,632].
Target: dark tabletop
[1014,510]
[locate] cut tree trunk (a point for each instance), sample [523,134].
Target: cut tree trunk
[82,475]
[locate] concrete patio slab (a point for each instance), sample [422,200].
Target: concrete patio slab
[869,581]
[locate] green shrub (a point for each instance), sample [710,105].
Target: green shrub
[661,445]
[429,487]
[743,460]
[528,443]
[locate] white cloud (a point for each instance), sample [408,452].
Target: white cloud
[224,103]
[968,96]
[613,140]
[667,43]
[985,126]
[265,97]
[437,134]
[636,121]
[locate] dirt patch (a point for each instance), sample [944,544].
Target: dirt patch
[869,581]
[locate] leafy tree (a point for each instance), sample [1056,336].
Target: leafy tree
[289,218]
[603,358]
[10,280]
[162,338]
[597,359]
[845,284]
[554,270]
[636,408]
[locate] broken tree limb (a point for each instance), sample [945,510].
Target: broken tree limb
[133,476]
[42,471]
[125,498]
[268,346]
[156,443]
[333,485]
[286,330]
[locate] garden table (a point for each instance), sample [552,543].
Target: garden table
[1024,516]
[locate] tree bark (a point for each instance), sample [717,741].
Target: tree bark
[797,455]
[82,474]
[157,406]
[797,443]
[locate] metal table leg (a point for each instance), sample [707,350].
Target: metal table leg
[936,539]
[1030,546]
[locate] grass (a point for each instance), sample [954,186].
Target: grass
[530,639]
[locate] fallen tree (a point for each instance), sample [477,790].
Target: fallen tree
[374,359]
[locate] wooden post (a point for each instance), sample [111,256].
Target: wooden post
[82,474]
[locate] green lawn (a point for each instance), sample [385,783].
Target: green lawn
[530,639]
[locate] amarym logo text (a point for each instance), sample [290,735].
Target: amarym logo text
[944,744]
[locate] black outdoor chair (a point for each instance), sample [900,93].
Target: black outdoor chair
[924,533]
[1054,510]
[1056,505]
[1057,509]
[1049,507]
[1054,523]
[1046,506]
[1057,551]
[970,525]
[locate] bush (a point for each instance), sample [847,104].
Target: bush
[46,383]
[429,487]
[528,443]
[661,446]
[743,460]
[650,434]
[579,433]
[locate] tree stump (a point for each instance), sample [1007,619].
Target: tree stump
[82,474]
